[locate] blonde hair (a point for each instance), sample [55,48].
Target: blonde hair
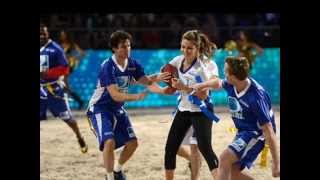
[202,42]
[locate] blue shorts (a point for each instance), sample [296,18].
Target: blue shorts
[247,145]
[111,125]
[56,101]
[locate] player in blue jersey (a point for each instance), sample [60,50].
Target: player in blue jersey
[106,113]
[53,66]
[251,111]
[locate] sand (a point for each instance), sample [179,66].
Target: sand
[61,159]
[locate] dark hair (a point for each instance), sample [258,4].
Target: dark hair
[44,26]
[246,34]
[69,38]
[238,66]
[69,35]
[118,37]
[202,42]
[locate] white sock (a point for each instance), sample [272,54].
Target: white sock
[110,176]
[118,167]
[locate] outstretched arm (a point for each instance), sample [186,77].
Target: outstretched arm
[148,80]
[272,141]
[155,88]
[121,97]
[257,47]
[213,83]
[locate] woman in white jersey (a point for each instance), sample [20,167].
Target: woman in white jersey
[192,65]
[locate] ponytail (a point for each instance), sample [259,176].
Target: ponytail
[207,48]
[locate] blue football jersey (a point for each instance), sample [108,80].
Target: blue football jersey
[251,108]
[51,55]
[111,73]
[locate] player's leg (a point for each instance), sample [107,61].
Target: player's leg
[253,145]
[102,124]
[75,128]
[242,152]
[227,159]
[43,108]
[125,136]
[127,152]
[237,174]
[129,148]
[183,150]
[184,153]
[194,154]
[195,162]
[203,131]
[59,106]
[108,155]
[72,93]
[180,125]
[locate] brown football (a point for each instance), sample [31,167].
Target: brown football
[172,70]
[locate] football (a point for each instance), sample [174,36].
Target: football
[172,70]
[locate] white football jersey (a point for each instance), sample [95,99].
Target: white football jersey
[205,70]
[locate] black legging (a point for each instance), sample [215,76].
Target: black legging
[202,128]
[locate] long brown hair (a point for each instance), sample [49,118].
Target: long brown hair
[202,42]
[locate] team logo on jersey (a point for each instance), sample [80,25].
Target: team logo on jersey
[44,63]
[239,144]
[123,83]
[234,104]
[235,108]
[187,79]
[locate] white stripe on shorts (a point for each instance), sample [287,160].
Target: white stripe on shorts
[251,143]
[99,124]
[115,123]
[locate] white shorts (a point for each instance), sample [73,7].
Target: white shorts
[188,138]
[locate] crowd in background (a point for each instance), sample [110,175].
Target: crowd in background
[150,30]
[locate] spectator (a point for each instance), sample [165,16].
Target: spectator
[245,46]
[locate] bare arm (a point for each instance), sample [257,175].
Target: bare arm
[176,83]
[121,97]
[155,88]
[200,88]
[272,141]
[145,80]
[148,80]
[212,83]
[257,47]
